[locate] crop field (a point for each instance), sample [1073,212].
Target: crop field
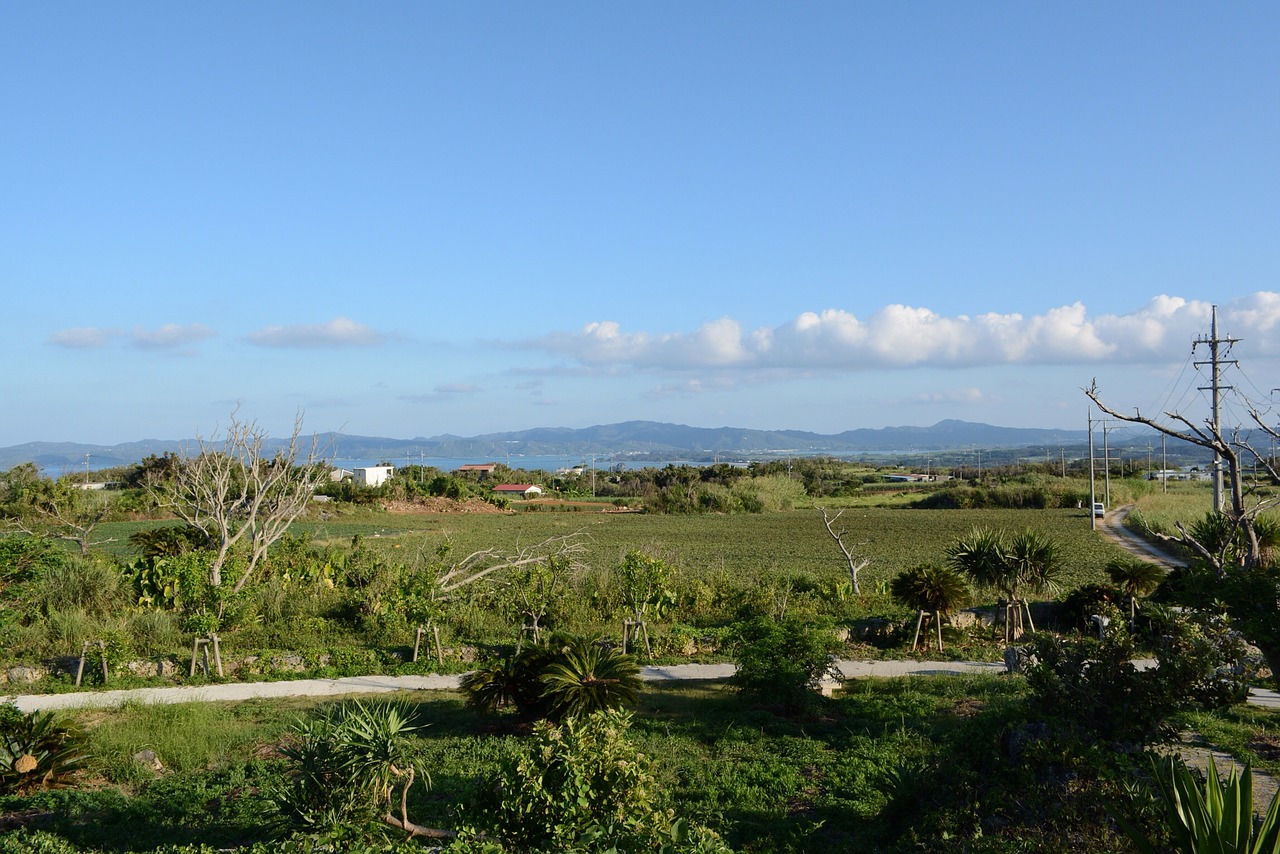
[790,542]
[782,542]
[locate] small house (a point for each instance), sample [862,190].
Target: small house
[525,490]
[373,475]
[482,469]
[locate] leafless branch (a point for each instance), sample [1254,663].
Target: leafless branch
[856,564]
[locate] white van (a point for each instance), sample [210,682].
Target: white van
[1099,510]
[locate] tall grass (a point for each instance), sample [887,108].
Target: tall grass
[186,737]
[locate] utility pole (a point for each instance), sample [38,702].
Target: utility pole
[1106,466]
[1093,497]
[1164,465]
[1215,378]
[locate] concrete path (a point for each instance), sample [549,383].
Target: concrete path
[387,684]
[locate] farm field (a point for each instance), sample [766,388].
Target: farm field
[790,542]
[777,542]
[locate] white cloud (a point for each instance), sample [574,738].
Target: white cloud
[339,332]
[967,395]
[901,336]
[457,388]
[445,391]
[170,336]
[83,338]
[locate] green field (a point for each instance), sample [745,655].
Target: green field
[788,542]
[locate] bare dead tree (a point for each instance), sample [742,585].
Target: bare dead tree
[234,491]
[480,564]
[856,564]
[1245,508]
[70,513]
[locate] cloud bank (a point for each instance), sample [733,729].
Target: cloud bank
[901,336]
[337,333]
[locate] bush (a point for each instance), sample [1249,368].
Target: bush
[567,676]
[345,765]
[583,786]
[780,663]
[1092,686]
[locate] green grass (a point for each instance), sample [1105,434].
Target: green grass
[907,764]
[786,541]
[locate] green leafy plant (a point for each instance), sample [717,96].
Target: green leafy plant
[583,786]
[345,766]
[586,677]
[567,676]
[37,751]
[782,662]
[1217,819]
[512,680]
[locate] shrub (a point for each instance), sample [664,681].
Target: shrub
[583,786]
[345,765]
[781,662]
[567,676]
[1093,687]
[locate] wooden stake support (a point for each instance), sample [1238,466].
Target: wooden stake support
[203,645]
[633,630]
[84,650]
[417,641]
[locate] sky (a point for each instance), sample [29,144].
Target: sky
[409,219]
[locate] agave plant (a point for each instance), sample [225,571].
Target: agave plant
[1218,819]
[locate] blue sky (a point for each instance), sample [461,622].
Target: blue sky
[408,219]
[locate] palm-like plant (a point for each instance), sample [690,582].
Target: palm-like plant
[1035,567]
[1027,561]
[931,589]
[587,677]
[36,751]
[513,680]
[1135,578]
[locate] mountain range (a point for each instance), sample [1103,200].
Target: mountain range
[637,439]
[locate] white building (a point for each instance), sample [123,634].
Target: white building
[373,475]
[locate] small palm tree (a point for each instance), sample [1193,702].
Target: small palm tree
[931,589]
[1135,578]
[1034,566]
[587,677]
[1028,561]
[513,680]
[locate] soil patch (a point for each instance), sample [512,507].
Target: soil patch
[440,505]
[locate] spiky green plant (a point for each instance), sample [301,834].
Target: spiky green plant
[1218,819]
[587,677]
[37,751]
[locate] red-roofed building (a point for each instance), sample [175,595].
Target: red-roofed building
[528,490]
